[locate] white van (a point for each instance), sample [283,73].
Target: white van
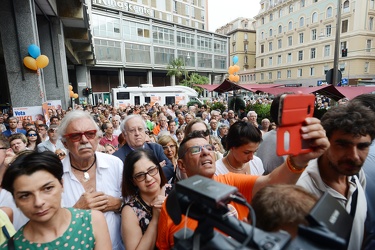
[148,94]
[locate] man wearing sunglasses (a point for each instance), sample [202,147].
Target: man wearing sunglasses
[196,157]
[92,180]
[53,143]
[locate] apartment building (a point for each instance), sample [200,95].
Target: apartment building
[296,41]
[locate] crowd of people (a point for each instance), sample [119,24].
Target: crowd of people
[98,176]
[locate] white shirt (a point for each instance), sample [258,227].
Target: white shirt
[256,166]
[108,180]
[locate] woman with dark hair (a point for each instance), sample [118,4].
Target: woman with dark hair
[242,142]
[35,181]
[33,139]
[144,184]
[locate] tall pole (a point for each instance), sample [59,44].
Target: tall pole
[337,45]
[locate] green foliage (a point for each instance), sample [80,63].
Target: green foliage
[263,110]
[217,105]
[193,79]
[176,68]
[193,102]
[236,104]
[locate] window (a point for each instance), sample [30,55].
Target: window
[280,29]
[302,3]
[270,75]
[314,17]
[301,21]
[366,67]
[245,60]
[245,46]
[262,48]
[290,40]
[234,37]
[288,73]
[329,12]
[280,12]
[344,26]
[279,44]
[300,55]
[278,74]
[327,50]
[346,6]
[368,45]
[175,6]
[245,36]
[290,25]
[262,20]
[343,45]
[313,34]
[271,17]
[185,40]
[270,32]
[372,4]
[312,71]
[291,8]
[262,62]
[163,55]
[313,53]
[289,58]
[261,76]
[234,48]
[371,24]
[262,35]
[299,73]
[328,30]
[162,36]
[204,60]
[270,61]
[270,46]
[300,37]
[279,59]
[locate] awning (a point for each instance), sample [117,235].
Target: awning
[208,87]
[227,86]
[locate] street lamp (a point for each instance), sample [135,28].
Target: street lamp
[337,45]
[186,59]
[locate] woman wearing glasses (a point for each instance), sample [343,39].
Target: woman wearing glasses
[33,139]
[144,185]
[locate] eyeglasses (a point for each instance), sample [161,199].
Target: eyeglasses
[31,135]
[198,149]
[52,130]
[74,137]
[60,154]
[142,176]
[169,147]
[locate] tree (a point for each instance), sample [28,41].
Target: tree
[177,68]
[195,79]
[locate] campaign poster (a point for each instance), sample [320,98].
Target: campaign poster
[180,99]
[155,99]
[28,113]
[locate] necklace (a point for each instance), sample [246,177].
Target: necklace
[233,168]
[86,176]
[144,205]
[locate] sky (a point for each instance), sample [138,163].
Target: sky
[221,12]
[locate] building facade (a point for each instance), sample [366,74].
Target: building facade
[135,41]
[242,43]
[296,41]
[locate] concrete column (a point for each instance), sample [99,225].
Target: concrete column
[173,80]
[121,77]
[210,81]
[149,77]
[83,81]
[19,30]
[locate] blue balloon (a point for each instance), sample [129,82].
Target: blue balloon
[34,51]
[235,59]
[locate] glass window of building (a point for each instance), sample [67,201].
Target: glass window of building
[261,76]
[327,50]
[174,5]
[290,25]
[289,57]
[329,12]
[290,40]
[270,61]
[366,67]
[300,37]
[106,26]
[280,12]
[313,53]
[312,71]
[204,60]
[270,46]
[278,74]
[313,34]
[136,32]
[162,35]
[137,53]
[262,48]
[233,48]
[219,46]
[279,61]
[302,3]
[288,73]
[245,59]
[300,55]
[314,17]
[368,45]
[269,75]
[280,29]
[262,62]
[279,44]
[299,73]
[343,45]
[262,20]
[328,30]
[270,32]
[344,26]
[301,21]
[245,46]
[245,36]
[163,55]
[220,62]
[372,4]
[106,50]
[262,35]
[185,40]
[371,23]
[192,12]
[271,17]
[291,8]
[346,6]
[188,57]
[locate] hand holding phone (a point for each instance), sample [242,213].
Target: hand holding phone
[293,110]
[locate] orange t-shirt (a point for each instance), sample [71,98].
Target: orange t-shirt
[166,227]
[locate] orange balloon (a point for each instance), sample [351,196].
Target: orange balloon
[231,78]
[30,63]
[236,68]
[42,61]
[236,78]
[231,70]
[71,93]
[75,96]
[70,87]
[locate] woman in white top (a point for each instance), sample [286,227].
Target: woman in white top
[242,142]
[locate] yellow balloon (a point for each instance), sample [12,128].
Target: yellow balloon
[42,61]
[236,78]
[231,70]
[236,68]
[71,93]
[75,96]
[70,87]
[231,78]
[30,63]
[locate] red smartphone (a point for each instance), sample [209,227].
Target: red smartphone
[293,110]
